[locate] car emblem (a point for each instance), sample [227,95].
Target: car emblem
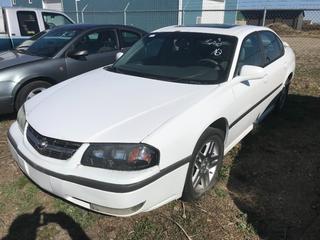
[43,145]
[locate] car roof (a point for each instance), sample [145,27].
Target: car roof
[224,29]
[84,27]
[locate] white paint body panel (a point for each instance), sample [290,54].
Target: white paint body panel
[102,107]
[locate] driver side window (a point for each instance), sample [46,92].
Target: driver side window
[250,53]
[97,42]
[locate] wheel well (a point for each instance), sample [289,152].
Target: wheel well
[289,79]
[221,124]
[45,79]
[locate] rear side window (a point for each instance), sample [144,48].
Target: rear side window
[271,47]
[52,20]
[250,53]
[129,38]
[28,23]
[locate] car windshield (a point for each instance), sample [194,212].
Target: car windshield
[51,43]
[196,58]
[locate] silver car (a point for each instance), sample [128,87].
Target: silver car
[57,55]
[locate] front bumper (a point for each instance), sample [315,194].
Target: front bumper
[101,196]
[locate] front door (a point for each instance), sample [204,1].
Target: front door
[247,94]
[102,47]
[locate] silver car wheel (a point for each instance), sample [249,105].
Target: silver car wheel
[205,166]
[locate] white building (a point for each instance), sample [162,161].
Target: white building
[212,16]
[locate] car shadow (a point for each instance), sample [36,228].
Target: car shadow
[275,178]
[26,226]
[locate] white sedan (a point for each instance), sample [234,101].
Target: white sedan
[154,126]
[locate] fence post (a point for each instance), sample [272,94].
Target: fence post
[82,12]
[182,16]
[264,17]
[125,14]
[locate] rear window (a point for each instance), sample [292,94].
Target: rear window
[129,38]
[28,23]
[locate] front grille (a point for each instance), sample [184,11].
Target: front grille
[50,147]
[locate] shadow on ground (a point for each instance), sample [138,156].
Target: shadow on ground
[275,179]
[26,226]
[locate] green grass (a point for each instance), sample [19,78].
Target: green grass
[22,194]
[83,217]
[144,229]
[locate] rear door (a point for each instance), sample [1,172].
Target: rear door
[274,64]
[102,46]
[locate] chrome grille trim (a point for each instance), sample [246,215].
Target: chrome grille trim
[50,147]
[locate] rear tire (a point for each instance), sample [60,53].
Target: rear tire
[205,164]
[28,91]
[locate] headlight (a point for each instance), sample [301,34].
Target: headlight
[21,118]
[121,156]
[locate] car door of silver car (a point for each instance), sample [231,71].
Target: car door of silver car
[93,50]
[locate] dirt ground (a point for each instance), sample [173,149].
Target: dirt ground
[269,187]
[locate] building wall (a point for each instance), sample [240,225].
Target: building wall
[25,3]
[213,16]
[192,11]
[53,4]
[5,3]
[275,4]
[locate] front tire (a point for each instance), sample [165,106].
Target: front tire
[29,91]
[205,164]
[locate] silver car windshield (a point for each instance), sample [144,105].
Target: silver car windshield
[51,43]
[186,57]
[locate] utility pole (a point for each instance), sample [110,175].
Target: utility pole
[264,17]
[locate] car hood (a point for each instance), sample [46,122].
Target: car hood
[102,106]
[14,58]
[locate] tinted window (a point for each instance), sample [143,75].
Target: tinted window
[28,23]
[51,43]
[250,53]
[195,58]
[98,42]
[52,20]
[272,49]
[128,38]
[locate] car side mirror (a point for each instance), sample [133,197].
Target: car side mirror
[119,55]
[78,54]
[250,72]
